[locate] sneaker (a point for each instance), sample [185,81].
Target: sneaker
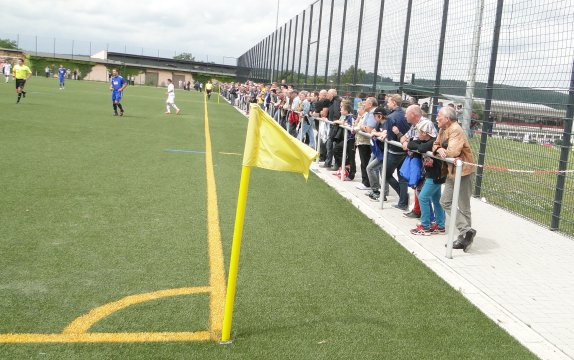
[362,186]
[122,113]
[402,208]
[412,215]
[373,192]
[421,230]
[436,230]
[167,112]
[178,111]
[373,195]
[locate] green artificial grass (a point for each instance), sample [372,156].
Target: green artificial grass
[96,208]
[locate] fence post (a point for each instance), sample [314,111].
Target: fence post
[301,47]
[309,44]
[282,49]
[273,54]
[378,50]
[342,43]
[486,121]
[294,47]
[439,61]
[564,152]
[318,41]
[406,44]
[358,43]
[453,208]
[329,42]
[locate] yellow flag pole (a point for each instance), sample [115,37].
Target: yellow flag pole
[235,249]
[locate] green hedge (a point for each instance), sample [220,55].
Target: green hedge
[38,63]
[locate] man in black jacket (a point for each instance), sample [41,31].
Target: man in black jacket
[334,114]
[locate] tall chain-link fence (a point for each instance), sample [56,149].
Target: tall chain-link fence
[506,66]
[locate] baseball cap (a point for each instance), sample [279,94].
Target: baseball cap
[381,111]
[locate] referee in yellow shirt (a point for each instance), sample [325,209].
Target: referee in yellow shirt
[22,73]
[208,89]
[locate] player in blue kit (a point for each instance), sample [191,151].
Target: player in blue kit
[62,75]
[117,86]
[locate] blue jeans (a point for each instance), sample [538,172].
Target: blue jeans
[307,129]
[429,198]
[394,162]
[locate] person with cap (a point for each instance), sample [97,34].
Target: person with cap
[452,142]
[429,197]
[377,157]
[414,116]
[396,155]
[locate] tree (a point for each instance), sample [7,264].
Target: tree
[184,56]
[8,44]
[347,76]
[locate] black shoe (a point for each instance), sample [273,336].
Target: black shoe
[374,196]
[122,113]
[23,93]
[412,215]
[402,208]
[457,244]
[468,239]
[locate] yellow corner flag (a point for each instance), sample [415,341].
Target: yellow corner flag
[267,146]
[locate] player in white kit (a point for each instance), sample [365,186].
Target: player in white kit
[7,70]
[170,102]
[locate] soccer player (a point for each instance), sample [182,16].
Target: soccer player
[21,73]
[7,70]
[208,88]
[171,98]
[117,86]
[62,75]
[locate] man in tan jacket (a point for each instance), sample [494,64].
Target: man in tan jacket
[452,142]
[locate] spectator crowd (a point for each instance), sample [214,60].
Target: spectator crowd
[321,118]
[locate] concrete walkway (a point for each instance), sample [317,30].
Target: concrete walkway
[518,273]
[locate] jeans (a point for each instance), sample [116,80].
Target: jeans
[307,129]
[374,171]
[429,198]
[394,162]
[463,217]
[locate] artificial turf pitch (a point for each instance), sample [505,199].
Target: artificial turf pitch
[96,208]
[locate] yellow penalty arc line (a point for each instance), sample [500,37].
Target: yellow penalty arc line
[76,331]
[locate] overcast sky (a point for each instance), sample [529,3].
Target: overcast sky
[212,28]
